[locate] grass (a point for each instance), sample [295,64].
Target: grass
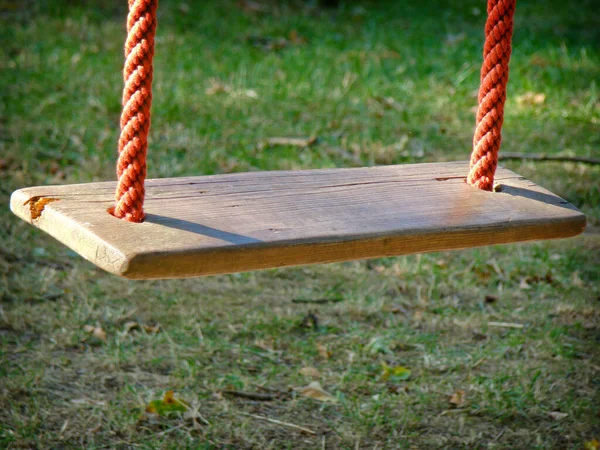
[227,79]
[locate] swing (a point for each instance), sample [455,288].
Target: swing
[195,226]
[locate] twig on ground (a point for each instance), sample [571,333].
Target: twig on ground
[544,157]
[279,422]
[479,361]
[452,411]
[162,433]
[295,142]
[505,325]
[251,395]
[318,301]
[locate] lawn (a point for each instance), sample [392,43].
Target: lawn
[496,347]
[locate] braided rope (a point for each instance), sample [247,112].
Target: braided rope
[492,93]
[135,118]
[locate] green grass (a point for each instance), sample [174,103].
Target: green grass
[60,82]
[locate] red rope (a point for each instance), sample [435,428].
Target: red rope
[492,93]
[135,118]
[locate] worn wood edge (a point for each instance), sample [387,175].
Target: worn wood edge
[51,219]
[252,257]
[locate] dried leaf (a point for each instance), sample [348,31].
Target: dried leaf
[316,392]
[377,345]
[217,87]
[557,415]
[396,373]
[390,54]
[152,328]
[479,336]
[295,38]
[147,327]
[252,7]
[323,352]
[265,345]
[531,98]
[458,399]
[310,372]
[594,444]
[576,280]
[131,326]
[523,284]
[97,332]
[168,405]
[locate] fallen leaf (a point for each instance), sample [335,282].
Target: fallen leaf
[252,7]
[458,399]
[316,392]
[97,332]
[323,352]
[169,404]
[395,309]
[479,336]
[491,299]
[576,280]
[531,98]
[295,38]
[310,372]
[131,326]
[594,444]
[396,373]
[377,345]
[390,54]
[264,345]
[523,284]
[152,328]
[217,87]
[557,415]
[147,327]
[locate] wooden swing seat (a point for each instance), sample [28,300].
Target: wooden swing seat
[246,221]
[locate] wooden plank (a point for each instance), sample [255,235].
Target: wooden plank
[239,222]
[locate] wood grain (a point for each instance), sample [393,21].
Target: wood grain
[239,222]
